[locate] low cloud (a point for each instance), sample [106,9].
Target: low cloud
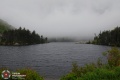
[61,18]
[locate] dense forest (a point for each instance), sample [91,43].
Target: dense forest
[109,37]
[21,37]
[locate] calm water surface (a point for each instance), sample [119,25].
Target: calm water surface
[51,60]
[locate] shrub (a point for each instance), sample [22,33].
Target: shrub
[70,76]
[113,56]
[30,74]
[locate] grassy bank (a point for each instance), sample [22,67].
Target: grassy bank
[91,72]
[98,71]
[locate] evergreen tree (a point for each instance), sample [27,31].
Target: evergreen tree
[22,37]
[111,38]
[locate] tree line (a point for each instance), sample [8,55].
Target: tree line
[109,37]
[21,37]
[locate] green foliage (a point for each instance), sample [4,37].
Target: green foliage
[99,63]
[102,74]
[78,71]
[110,38]
[30,74]
[75,69]
[110,71]
[2,29]
[113,56]
[70,76]
[21,37]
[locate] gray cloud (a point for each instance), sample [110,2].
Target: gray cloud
[72,18]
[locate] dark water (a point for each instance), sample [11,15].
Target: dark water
[51,60]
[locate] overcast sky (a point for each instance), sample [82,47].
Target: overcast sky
[72,18]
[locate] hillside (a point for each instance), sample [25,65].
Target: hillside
[12,36]
[4,26]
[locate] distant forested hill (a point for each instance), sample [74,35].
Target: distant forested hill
[12,36]
[4,26]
